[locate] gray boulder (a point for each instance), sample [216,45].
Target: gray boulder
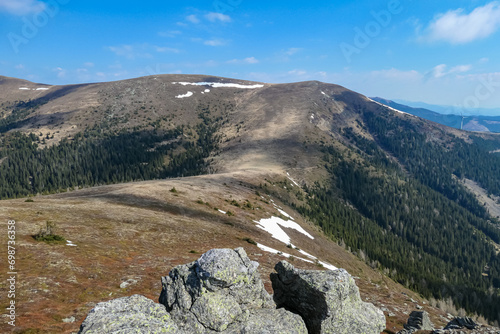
[222,292]
[134,314]
[328,301]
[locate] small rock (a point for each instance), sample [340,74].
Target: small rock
[69,320]
[127,283]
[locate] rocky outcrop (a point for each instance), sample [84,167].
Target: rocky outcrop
[328,301]
[462,322]
[222,292]
[134,314]
[418,320]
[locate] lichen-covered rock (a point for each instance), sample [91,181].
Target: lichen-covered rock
[222,292]
[134,314]
[328,301]
[268,321]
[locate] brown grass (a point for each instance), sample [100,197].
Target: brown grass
[140,231]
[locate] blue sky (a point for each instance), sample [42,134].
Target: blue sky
[440,52]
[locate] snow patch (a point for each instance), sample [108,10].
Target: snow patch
[218,85]
[391,108]
[328,266]
[40,88]
[274,251]
[284,213]
[292,180]
[70,243]
[188,94]
[273,226]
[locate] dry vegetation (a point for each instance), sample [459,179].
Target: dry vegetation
[137,232]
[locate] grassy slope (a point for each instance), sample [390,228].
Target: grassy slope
[140,231]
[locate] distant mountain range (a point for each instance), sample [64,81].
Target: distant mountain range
[479,123]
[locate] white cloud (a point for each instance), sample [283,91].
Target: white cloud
[460,69]
[193,19]
[215,42]
[292,51]
[212,17]
[139,50]
[397,75]
[297,72]
[61,73]
[440,71]
[127,51]
[88,64]
[166,49]
[456,27]
[249,60]
[21,7]
[19,67]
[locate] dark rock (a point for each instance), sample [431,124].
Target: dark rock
[459,323]
[418,320]
[328,301]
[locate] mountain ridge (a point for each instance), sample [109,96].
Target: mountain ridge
[233,152]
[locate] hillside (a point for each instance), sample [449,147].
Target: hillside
[477,123]
[383,193]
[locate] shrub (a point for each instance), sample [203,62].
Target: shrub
[249,240]
[47,234]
